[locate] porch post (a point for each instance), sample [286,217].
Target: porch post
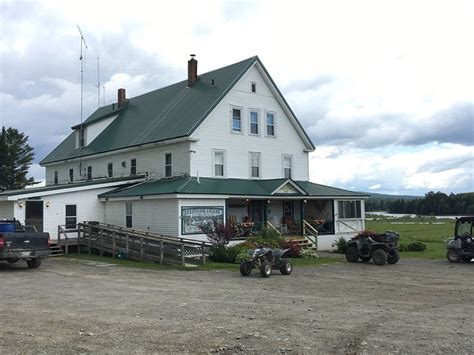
[302,216]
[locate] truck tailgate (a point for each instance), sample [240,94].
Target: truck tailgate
[25,241]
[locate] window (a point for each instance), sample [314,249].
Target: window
[287,163]
[81,137]
[270,124]
[349,209]
[56,177]
[254,87]
[253,122]
[71,216]
[168,164]
[219,157]
[133,167]
[288,208]
[255,165]
[128,214]
[110,170]
[71,175]
[236,120]
[89,173]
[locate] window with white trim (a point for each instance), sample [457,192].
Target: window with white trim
[349,209]
[219,163]
[287,164]
[255,163]
[133,167]
[89,173]
[110,170]
[128,215]
[254,122]
[270,124]
[71,175]
[71,217]
[56,177]
[253,87]
[81,139]
[168,165]
[237,120]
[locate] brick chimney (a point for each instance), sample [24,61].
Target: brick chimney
[121,98]
[192,71]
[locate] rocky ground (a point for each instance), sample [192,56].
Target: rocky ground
[71,306]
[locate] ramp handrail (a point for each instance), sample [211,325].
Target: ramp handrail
[312,237]
[139,245]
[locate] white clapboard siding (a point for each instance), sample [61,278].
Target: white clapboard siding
[215,133]
[156,216]
[6,209]
[151,161]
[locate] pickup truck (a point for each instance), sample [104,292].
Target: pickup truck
[18,244]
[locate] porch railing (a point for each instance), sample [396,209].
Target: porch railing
[310,233]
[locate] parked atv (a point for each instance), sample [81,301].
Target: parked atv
[381,248]
[266,260]
[461,247]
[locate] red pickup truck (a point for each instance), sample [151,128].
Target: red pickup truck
[17,244]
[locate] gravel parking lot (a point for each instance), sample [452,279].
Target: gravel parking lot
[69,306]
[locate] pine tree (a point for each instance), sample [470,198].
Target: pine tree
[16,156]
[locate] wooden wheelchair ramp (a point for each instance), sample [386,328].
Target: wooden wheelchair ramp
[132,244]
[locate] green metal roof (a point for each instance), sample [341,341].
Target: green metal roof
[67,186]
[171,112]
[215,186]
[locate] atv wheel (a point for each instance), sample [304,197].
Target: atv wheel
[286,268]
[365,259]
[265,269]
[34,263]
[379,257]
[352,254]
[393,256]
[245,268]
[453,256]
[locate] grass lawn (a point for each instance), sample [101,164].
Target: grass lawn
[210,265]
[432,232]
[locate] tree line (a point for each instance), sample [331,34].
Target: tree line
[433,203]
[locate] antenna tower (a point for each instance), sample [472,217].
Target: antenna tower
[82,58]
[98,83]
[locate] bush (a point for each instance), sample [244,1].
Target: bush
[308,254]
[341,246]
[267,238]
[413,246]
[218,234]
[224,254]
[295,249]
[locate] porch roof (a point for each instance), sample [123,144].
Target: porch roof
[237,187]
[81,184]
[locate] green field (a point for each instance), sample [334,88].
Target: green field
[433,232]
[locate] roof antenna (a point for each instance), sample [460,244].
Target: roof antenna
[103,87]
[83,63]
[98,83]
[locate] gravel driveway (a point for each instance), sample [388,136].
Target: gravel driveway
[70,306]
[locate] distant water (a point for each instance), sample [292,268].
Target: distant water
[399,215]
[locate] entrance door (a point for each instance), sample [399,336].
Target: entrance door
[256,210]
[34,214]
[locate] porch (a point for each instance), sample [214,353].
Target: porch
[290,216]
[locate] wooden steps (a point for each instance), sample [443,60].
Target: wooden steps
[302,242]
[55,250]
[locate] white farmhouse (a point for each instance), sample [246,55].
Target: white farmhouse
[222,145]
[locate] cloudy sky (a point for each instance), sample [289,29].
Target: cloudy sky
[384,88]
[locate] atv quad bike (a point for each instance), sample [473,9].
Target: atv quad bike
[461,247]
[381,248]
[266,260]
